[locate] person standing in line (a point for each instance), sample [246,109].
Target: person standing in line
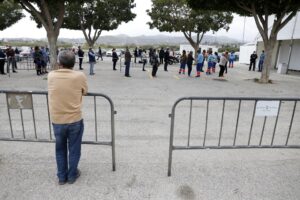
[37,59]
[100,54]
[66,88]
[189,62]
[199,65]
[135,54]
[231,59]
[253,58]
[10,54]
[115,58]
[80,53]
[92,61]
[210,63]
[144,59]
[167,58]
[261,61]
[183,60]
[127,62]
[44,60]
[161,55]
[215,61]
[17,57]
[2,62]
[204,57]
[223,61]
[155,63]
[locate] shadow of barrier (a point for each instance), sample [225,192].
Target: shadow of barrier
[24,117]
[233,123]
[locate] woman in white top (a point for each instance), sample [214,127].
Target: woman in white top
[222,63]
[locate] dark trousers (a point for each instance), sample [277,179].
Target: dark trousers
[222,68]
[252,63]
[144,63]
[2,62]
[189,69]
[80,63]
[166,65]
[154,70]
[161,60]
[225,68]
[114,64]
[68,141]
[127,67]
[260,65]
[11,61]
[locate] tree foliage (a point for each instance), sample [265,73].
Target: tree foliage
[50,15]
[10,13]
[282,11]
[95,16]
[177,16]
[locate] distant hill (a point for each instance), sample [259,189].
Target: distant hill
[139,40]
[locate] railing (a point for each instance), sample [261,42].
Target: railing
[234,123]
[27,118]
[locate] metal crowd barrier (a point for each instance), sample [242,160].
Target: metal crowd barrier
[234,123]
[27,118]
[26,63]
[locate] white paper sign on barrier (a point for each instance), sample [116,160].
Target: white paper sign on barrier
[267,108]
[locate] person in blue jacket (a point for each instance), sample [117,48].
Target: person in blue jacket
[231,59]
[261,61]
[92,60]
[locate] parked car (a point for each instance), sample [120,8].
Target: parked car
[25,51]
[109,53]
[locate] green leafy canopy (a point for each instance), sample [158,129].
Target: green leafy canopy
[177,16]
[10,13]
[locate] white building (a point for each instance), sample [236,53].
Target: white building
[245,51]
[287,47]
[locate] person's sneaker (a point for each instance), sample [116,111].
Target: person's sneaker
[77,176]
[15,72]
[62,182]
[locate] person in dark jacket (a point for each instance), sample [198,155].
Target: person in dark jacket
[92,61]
[161,56]
[115,58]
[183,60]
[167,57]
[80,53]
[100,54]
[2,62]
[189,62]
[10,54]
[253,58]
[155,63]
[135,54]
[37,59]
[127,62]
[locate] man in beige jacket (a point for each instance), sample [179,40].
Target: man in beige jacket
[65,89]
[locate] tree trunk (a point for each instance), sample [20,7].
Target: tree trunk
[269,47]
[52,40]
[196,47]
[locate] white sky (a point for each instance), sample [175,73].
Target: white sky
[27,28]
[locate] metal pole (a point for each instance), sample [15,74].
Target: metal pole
[49,121]
[95,110]
[275,126]
[237,122]
[291,124]
[221,127]
[190,122]
[9,117]
[252,122]
[22,122]
[206,119]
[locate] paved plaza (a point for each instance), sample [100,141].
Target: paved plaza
[143,103]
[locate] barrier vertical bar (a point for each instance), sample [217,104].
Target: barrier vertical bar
[252,122]
[113,143]
[190,121]
[9,117]
[221,127]
[291,123]
[205,131]
[275,126]
[22,122]
[49,121]
[172,115]
[34,120]
[237,122]
[263,130]
[95,110]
